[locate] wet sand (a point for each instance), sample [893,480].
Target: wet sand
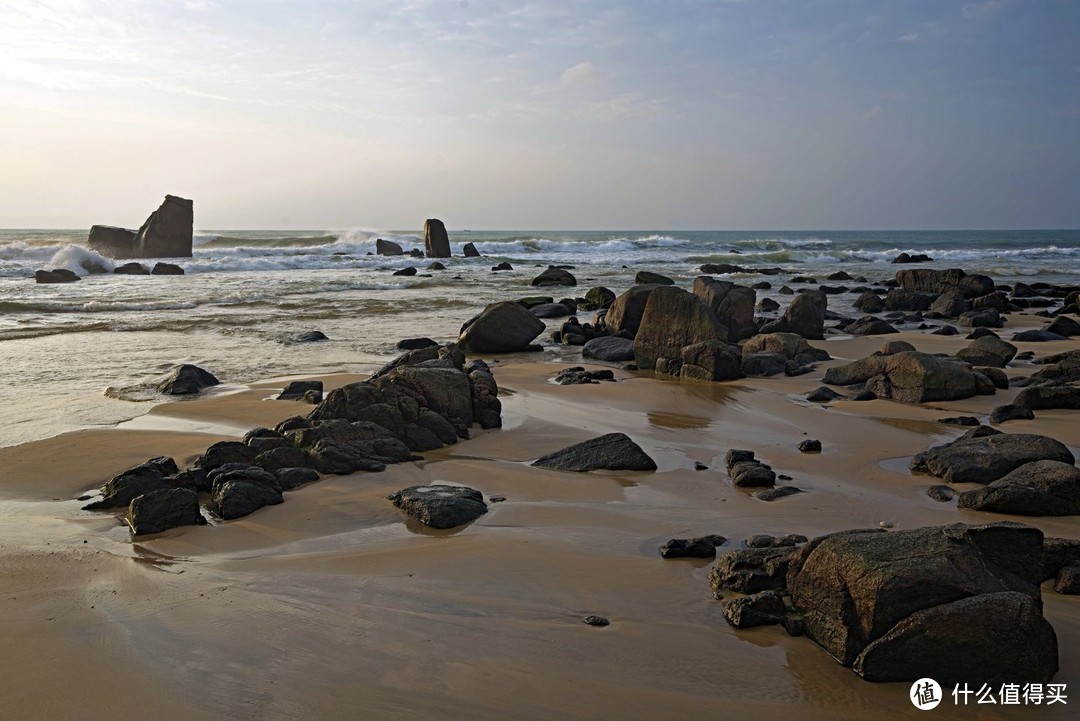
[329,606]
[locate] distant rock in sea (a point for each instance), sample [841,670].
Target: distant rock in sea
[167,233]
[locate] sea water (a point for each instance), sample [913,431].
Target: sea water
[247,292]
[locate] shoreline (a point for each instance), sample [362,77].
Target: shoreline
[330,603]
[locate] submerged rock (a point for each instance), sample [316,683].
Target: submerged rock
[187,380]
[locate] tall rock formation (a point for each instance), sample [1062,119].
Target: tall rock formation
[167,233]
[436,242]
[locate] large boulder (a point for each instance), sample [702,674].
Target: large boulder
[168,232]
[187,380]
[160,510]
[58,275]
[123,488]
[859,587]
[926,280]
[908,300]
[912,377]
[989,350]
[673,319]
[1039,488]
[805,316]
[1046,397]
[610,452]
[446,391]
[436,241]
[951,304]
[710,360]
[505,327]
[990,638]
[732,304]
[750,570]
[555,276]
[440,506]
[626,311]
[113,242]
[984,459]
[237,497]
[790,345]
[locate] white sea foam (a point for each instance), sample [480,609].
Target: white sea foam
[82,261]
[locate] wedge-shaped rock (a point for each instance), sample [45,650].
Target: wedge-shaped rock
[611,452]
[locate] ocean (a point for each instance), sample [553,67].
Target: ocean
[84,354]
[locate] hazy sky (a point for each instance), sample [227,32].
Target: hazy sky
[592,114]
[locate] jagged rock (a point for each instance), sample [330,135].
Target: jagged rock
[751,570]
[1011,412]
[912,377]
[758,609]
[436,241]
[673,319]
[387,247]
[986,458]
[609,348]
[858,587]
[579,376]
[1039,488]
[501,328]
[805,316]
[187,380]
[988,351]
[912,258]
[440,506]
[344,457]
[702,547]
[275,459]
[167,233]
[644,277]
[555,276]
[165,508]
[732,304]
[611,452]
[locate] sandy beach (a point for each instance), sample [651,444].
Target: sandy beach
[333,606]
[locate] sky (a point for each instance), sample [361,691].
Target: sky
[595,114]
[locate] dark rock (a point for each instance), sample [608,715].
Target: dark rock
[160,510]
[751,474]
[790,345]
[550,310]
[982,318]
[311,336]
[470,251]
[810,446]
[626,311]
[940,493]
[113,242]
[759,609]
[960,421]
[275,459]
[598,621]
[1011,412]
[501,328]
[703,547]
[1068,580]
[238,497]
[187,380]
[387,247]
[823,395]
[436,266]
[440,506]
[987,351]
[912,377]
[609,348]
[946,330]
[751,570]
[612,452]
[710,360]
[166,269]
[344,457]
[869,325]
[767,305]
[123,488]
[224,452]
[292,478]
[805,316]
[416,343]
[951,304]
[732,304]
[937,282]
[296,390]
[775,494]
[600,297]
[857,587]
[644,277]
[912,258]
[904,299]
[987,638]
[1039,488]
[1063,326]
[167,233]
[869,302]
[131,269]
[502,266]
[1049,397]
[996,376]
[1036,336]
[407,271]
[555,276]
[436,241]
[986,458]
[673,319]
[59,275]
[579,376]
